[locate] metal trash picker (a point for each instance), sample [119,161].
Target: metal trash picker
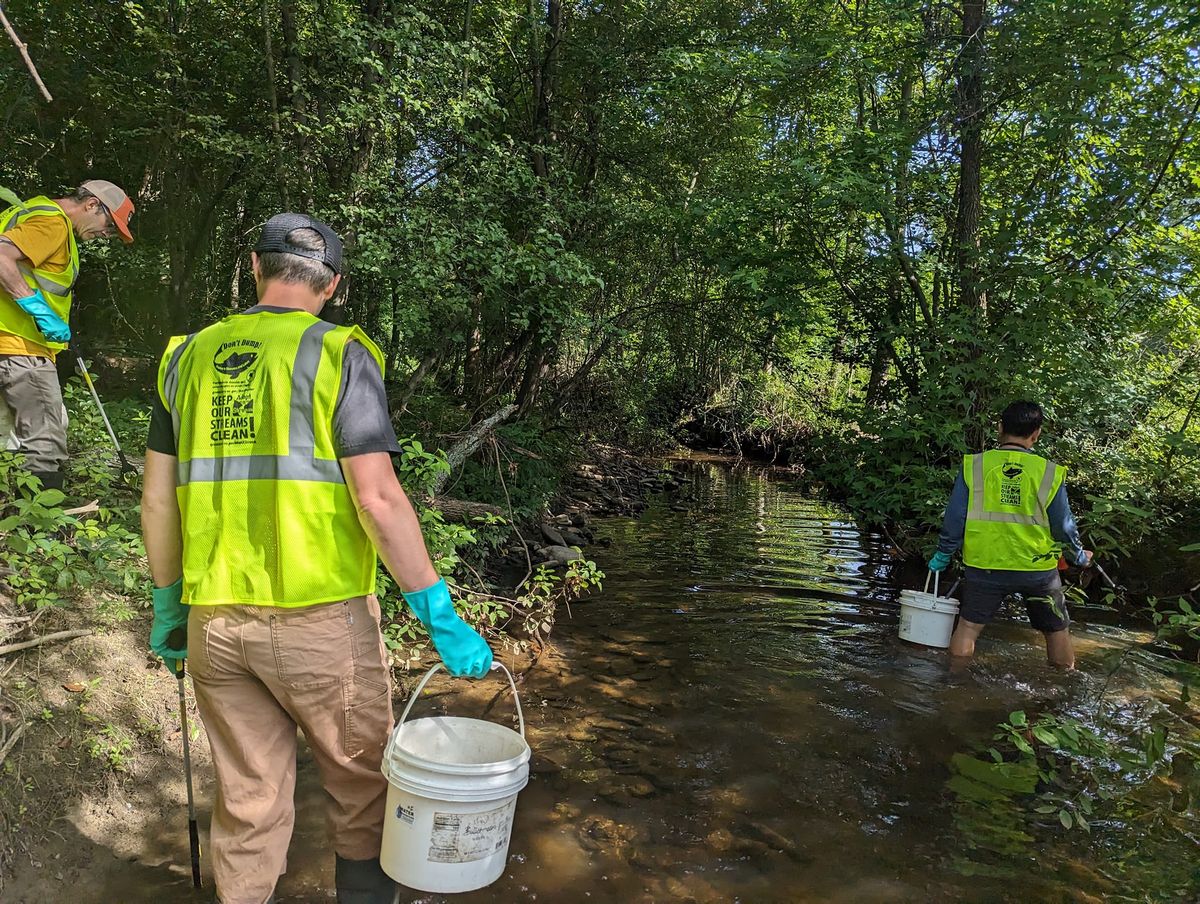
[176,641]
[126,467]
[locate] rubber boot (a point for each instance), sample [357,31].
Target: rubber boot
[51,480]
[363,882]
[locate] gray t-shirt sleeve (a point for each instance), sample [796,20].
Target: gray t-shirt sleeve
[362,422]
[162,431]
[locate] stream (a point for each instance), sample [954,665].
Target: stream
[733,719]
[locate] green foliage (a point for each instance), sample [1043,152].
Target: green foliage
[738,218]
[110,745]
[51,557]
[1052,773]
[516,623]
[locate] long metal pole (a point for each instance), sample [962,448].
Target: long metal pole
[87,378]
[193,829]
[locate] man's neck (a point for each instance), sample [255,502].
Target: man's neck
[71,208]
[1025,442]
[285,295]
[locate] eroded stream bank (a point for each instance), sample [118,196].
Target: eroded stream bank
[733,719]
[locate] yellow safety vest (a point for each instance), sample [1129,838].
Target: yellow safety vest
[267,517]
[55,286]
[1008,496]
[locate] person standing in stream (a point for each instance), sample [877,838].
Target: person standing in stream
[39,264]
[269,490]
[1010,515]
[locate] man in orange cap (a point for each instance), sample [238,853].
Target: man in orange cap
[39,264]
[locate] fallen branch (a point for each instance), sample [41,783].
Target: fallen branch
[11,742]
[45,638]
[24,51]
[466,447]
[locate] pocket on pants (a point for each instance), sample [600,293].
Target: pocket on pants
[199,644]
[367,691]
[368,719]
[312,646]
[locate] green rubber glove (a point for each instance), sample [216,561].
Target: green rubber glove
[939,561]
[170,616]
[463,650]
[50,324]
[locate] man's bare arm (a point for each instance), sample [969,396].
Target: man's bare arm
[389,520]
[162,530]
[11,280]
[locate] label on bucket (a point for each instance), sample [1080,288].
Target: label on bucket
[463,837]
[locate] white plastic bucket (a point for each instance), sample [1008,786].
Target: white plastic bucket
[926,618]
[452,794]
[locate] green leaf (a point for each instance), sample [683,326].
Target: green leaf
[1065,818]
[1017,718]
[1020,777]
[51,497]
[1045,735]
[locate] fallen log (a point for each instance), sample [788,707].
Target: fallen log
[45,638]
[461,511]
[465,448]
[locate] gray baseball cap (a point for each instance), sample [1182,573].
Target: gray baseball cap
[275,238]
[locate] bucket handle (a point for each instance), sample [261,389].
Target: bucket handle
[934,575]
[437,665]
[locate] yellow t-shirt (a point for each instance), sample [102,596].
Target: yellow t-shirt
[45,242]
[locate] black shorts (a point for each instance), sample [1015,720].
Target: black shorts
[985,590]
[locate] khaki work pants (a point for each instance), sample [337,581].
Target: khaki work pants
[261,672]
[29,387]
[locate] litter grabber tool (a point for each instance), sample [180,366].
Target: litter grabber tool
[126,467]
[1104,574]
[179,641]
[1092,563]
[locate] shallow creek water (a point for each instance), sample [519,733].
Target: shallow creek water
[733,719]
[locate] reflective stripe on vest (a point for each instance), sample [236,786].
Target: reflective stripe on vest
[57,287]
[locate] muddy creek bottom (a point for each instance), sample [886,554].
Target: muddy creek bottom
[734,719]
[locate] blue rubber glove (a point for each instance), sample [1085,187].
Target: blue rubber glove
[50,324]
[170,614]
[939,561]
[464,652]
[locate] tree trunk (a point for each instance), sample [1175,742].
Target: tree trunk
[970,128]
[971,296]
[296,98]
[276,130]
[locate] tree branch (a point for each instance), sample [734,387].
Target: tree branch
[23,49]
[45,638]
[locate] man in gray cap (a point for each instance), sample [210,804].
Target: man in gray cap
[39,264]
[269,493]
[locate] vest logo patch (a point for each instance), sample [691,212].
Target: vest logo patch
[235,363]
[232,412]
[1010,485]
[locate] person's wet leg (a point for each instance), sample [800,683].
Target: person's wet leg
[1059,650]
[962,642]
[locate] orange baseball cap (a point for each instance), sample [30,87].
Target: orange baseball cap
[117,202]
